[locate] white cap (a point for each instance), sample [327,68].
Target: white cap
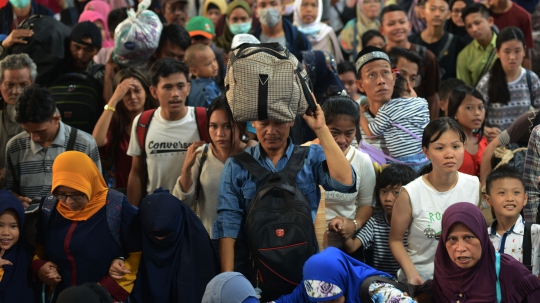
[243,38]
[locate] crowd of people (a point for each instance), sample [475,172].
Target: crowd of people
[415,177]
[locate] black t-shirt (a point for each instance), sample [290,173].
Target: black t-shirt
[448,62]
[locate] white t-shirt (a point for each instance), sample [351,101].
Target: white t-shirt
[428,206]
[166,147]
[346,204]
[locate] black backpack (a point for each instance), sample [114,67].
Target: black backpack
[79,99]
[279,228]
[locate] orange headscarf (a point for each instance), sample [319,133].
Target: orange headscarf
[77,171]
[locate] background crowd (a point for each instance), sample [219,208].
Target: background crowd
[419,166]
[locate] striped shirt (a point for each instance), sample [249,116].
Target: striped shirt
[29,165]
[411,113]
[375,233]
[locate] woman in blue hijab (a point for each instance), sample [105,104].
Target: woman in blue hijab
[334,275]
[177,260]
[15,254]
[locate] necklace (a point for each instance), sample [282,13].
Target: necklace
[433,184]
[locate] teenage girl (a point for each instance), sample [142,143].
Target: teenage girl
[422,202]
[342,117]
[466,106]
[509,89]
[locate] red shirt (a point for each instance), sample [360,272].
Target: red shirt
[471,163]
[518,17]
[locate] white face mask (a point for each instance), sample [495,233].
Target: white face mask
[289,9]
[269,16]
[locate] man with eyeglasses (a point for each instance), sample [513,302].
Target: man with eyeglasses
[443,44]
[30,154]
[16,72]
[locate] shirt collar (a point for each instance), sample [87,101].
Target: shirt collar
[288,152]
[58,140]
[518,228]
[492,42]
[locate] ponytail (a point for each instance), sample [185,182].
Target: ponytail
[497,89]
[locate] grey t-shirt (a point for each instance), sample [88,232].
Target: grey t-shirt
[281,40]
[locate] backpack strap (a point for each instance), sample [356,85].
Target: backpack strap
[498,273]
[72,138]
[47,208]
[200,118]
[204,155]
[445,47]
[113,209]
[253,167]
[527,246]
[529,81]
[142,128]
[364,287]
[296,161]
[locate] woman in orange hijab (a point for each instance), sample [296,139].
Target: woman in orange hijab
[82,227]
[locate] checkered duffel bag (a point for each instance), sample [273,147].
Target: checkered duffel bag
[265,81]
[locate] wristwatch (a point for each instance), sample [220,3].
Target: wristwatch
[107,107]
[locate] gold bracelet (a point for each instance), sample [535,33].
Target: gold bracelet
[107,107]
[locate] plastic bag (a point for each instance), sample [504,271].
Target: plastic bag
[137,37]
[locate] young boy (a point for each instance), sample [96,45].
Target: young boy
[476,58]
[505,193]
[347,74]
[377,229]
[445,91]
[444,45]
[203,66]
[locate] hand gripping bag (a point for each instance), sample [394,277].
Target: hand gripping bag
[137,37]
[266,82]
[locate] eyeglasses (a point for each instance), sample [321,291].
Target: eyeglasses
[77,197]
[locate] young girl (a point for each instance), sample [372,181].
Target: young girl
[113,129]
[466,106]
[375,232]
[341,115]
[307,18]
[199,180]
[15,253]
[373,38]
[509,89]
[422,202]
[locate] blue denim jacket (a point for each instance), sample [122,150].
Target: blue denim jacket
[202,92]
[237,187]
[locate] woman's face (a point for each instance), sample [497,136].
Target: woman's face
[457,8]
[371,8]
[238,15]
[446,154]
[213,14]
[220,129]
[377,42]
[471,113]
[102,29]
[343,129]
[463,246]
[70,197]
[309,10]
[135,97]
[511,55]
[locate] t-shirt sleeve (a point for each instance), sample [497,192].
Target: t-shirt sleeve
[365,235]
[462,71]
[134,148]
[366,180]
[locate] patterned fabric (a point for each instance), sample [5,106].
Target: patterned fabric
[387,293]
[530,176]
[321,289]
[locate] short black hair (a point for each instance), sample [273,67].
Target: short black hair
[475,8]
[503,172]
[35,105]
[337,105]
[346,66]
[400,52]
[115,17]
[447,86]
[165,67]
[369,35]
[391,8]
[393,175]
[176,35]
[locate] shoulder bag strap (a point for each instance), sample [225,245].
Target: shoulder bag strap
[113,210]
[498,272]
[200,118]
[142,128]
[72,138]
[204,155]
[527,246]
[254,168]
[445,47]
[487,65]
[529,82]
